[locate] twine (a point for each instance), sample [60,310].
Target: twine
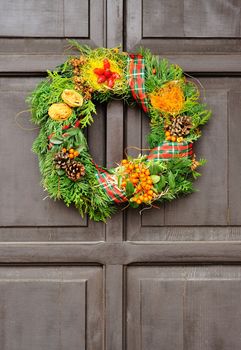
[19,125]
[136,148]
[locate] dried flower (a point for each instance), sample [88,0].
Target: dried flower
[59,111]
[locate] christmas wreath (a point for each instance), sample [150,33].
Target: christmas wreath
[63,105]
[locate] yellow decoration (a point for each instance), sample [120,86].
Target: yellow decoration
[72,98]
[180,139]
[87,72]
[59,111]
[168,99]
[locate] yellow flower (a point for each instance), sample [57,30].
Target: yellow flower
[59,111]
[179,139]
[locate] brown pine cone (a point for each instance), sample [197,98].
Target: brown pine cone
[61,160]
[75,170]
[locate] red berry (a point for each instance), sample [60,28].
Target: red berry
[115,76]
[99,71]
[77,124]
[139,56]
[108,73]
[106,64]
[101,79]
[132,56]
[111,83]
[65,127]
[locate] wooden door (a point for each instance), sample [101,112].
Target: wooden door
[168,279]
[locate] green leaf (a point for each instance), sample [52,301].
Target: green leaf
[171,180]
[154,169]
[155,178]
[60,171]
[56,140]
[134,205]
[160,185]
[72,131]
[119,180]
[129,189]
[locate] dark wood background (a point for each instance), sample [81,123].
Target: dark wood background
[165,280]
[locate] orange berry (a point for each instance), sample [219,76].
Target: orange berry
[149,181]
[131,167]
[147,172]
[138,201]
[174,138]
[150,192]
[76,153]
[141,197]
[150,198]
[168,133]
[135,181]
[124,161]
[71,150]
[123,184]
[169,138]
[71,155]
[64,150]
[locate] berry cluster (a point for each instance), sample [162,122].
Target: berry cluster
[105,75]
[173,138]
[140,177]
[71,153]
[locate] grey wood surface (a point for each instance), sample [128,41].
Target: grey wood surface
[166,279]
[183,308]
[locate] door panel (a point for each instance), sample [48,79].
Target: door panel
[183,307]
[51,307]
[196,35]
[26,204]
[45,19]
[215,204]
[189,18]
[33,34]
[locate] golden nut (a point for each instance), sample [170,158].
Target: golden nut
[72,98]
[59,111]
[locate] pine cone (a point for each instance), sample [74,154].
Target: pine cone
[195,163]
[61,160]
[179,126]
[75,170]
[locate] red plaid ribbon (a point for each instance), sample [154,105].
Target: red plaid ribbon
[136,78]
[168,150]
[109,186]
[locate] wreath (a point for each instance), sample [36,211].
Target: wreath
[63,105]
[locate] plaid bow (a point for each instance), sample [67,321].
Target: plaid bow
[136,79]
[109,185]
[168,150]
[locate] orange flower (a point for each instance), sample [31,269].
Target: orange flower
[169,98]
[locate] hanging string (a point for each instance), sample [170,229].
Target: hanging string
[199,82]
[136,148]
[19,125]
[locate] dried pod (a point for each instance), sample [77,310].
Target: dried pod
[59,111]
[72,98]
